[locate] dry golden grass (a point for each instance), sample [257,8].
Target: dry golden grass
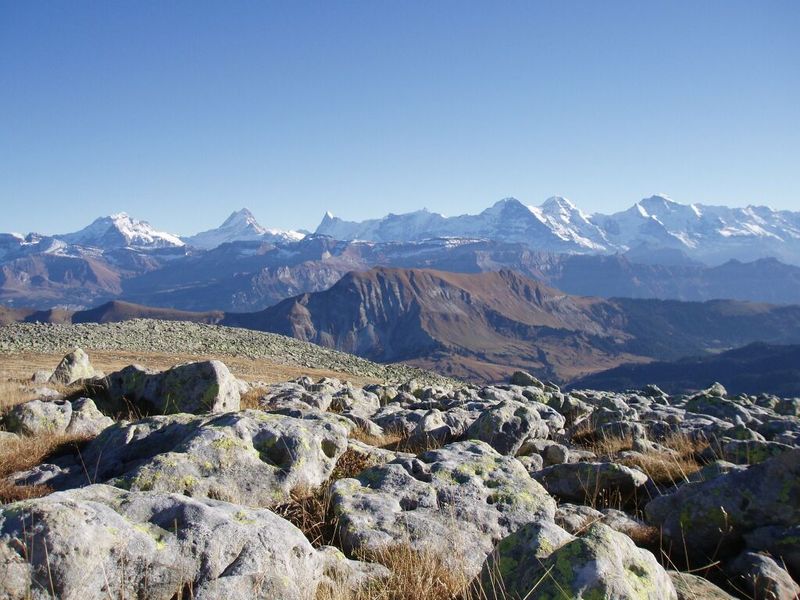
[389,439]
[670,468]
[250,399]
[414,575]
[12,393]
[310,510]
[25,453]
[396,441]
[667,467]
[22,365]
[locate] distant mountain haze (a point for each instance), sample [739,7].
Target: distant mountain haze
[753,369]
[656,249]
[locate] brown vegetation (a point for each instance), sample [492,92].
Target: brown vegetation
[679,459]
[24,453]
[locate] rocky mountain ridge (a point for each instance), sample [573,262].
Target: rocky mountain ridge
[482,326]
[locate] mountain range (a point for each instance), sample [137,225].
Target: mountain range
[655,227]
[483,326]
[548,288]
[711,234]
[249,276]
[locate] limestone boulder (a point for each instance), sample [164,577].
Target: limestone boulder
[73,367]
[196,388]
[457,501]
[104,542]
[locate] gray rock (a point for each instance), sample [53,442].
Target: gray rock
[196,388]
[603,564]
[431,429]
[293,395]
[621,521]
[782,543]
[714,469]
[745,452]
[73,367]
[47,393]
[552,453]
[39,417]
[457,502]
[762,577]
[525,380]
[506,426]
[250,457]
[576,518]
[517,560]
[41,376]
[101,542]
[86,419]
[532,462]
[692,587]
[710,518]
[590,482]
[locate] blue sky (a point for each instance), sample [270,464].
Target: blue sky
[180,112]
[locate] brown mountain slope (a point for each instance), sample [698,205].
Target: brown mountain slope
[475,326]
[483,326]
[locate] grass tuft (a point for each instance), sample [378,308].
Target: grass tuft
[24,453]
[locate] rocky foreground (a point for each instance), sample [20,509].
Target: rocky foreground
[189,483]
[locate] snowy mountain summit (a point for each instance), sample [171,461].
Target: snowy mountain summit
[241,225]
[711,234]
[121,231]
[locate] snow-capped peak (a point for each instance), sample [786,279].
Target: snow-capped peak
[558,203]
[240,226]
[242,219]
[119,231]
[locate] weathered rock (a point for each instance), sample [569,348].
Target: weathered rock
[745,452]
[517,559]
[196,388]
[506,426]
[781,543]
[38,417]
[710,518]
[101,542]
[73,367]
[692,587]
[41,376]
[588,482]
[532,462]
[431,429]
[292,395]
[457,501]
[86,419]
[602,564]
[762,577]
[250,457]
[525,380]
[576,518]
[621,521]
[552,453]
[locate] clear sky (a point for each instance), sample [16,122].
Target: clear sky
[181,112]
